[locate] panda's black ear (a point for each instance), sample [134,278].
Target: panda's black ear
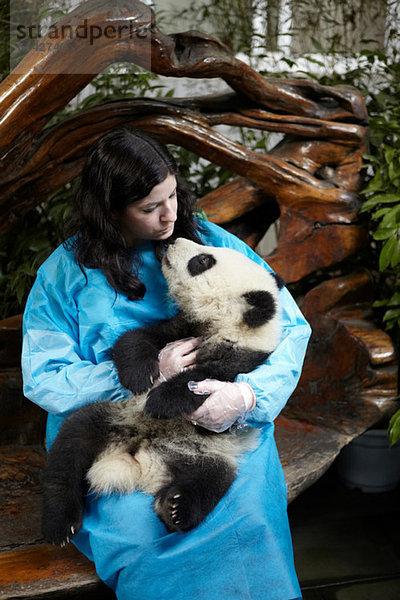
[263,308]
[279,281]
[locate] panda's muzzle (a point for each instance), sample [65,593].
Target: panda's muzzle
[200,263]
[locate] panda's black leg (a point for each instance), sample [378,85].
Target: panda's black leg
[193,493]
[62,501]
[63,479]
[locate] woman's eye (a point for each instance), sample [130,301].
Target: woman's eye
[149,210]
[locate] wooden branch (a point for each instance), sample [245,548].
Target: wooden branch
[232,201]
[314,210]
[48,80]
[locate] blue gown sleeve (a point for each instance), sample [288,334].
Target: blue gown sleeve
[55,374]
[276,379]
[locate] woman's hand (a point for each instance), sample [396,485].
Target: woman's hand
[177,356]
[226,404]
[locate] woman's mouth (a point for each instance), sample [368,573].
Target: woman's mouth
[168,229]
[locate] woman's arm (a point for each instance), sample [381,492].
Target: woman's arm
[56,376]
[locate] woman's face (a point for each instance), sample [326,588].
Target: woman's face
[152,217]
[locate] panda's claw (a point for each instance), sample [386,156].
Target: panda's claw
[60,532]
[179,510]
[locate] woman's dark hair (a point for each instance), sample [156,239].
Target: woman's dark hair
[122,167]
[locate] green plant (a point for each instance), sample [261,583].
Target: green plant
[382,191]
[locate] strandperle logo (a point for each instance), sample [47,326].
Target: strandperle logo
[71,37]
[83,31]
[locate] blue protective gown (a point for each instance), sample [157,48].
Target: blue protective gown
[243,549]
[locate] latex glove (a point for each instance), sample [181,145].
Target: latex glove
[227,403]
[177,356]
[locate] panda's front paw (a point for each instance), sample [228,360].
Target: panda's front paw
[141,379]
[173,398]
[160,403]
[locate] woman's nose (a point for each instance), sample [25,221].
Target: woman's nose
[168,214]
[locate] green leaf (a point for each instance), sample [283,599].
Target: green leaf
[20,291]
[380,213]
[375,185]
[394,428]
[395,258]
[394,172]
[391,313]
[379,303]
[385,198]
[317,45]
[392,215]
[380,199]
[394,300]
[386,253]
[383,233]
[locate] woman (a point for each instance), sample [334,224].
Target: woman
[107,279]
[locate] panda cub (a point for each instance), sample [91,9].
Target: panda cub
[145,443]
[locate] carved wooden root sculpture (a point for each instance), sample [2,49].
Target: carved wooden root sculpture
[310,179]
[348,382]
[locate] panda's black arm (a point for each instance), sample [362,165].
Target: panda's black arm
[135,353]
[173,397]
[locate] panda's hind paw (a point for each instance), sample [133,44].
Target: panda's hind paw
[178,508]
[60,533]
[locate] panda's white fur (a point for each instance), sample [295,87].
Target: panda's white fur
[116,470]
[233,304]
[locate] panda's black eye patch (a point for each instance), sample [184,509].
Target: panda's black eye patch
[200,263]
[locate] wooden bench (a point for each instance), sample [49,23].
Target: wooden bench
[309,180]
